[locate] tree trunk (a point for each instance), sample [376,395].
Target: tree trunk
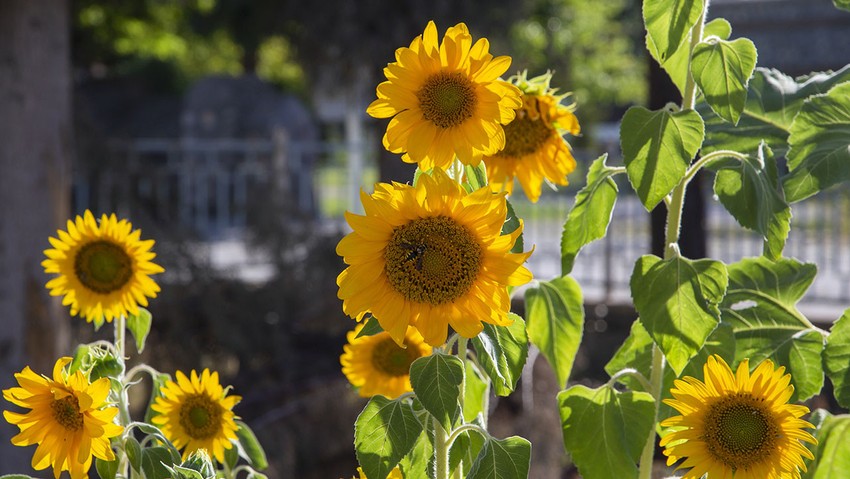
[35,136]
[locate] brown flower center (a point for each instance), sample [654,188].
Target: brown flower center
[66,412]
[740,431]
[103,266]
[432,260]
[200,416]
[447,99]
[525,135]
[392,360]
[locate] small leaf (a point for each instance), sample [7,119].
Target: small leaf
[605,430]
[419,457]
[842,4]
[81,359]
[251,446]
[722,69]
[476,177]
[512,222]
[555,312]
[231,457]
[678,65]
[667,25]
[836,358]
[105,469]
[590,215]
[140,326]
[502,351]
[384,432]
[476,393]
[153,459]
[657,148]
[677,300]
[502,459]
[134,453]
[436,380]
[371,328]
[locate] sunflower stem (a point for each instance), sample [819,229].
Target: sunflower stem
[122,401]
[441,450]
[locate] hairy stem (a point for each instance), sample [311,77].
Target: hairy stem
[441,450]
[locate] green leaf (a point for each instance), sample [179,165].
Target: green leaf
[158,383]
[668,23]
[371,328]
[836,358]
[502,351]
[773,100]
[832,459]
[591,213]
[819,154]
[605,430]
[134,453]
[760,304]
[657,148]
[384,432]
[231,457]
[750,191]
[465,450]
[419,457]
[140,326]
[512,222]
[502,459]
[678,65]
[842,4]
[253,450]
[16,476]
[105,469]
[81,359]
[153,459]
[476,177]
[555,312]
[476,393]
[722,70]
[677,300]
[436,380]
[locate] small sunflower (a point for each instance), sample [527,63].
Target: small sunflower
[394,474]
[68,419]
[737,424]
[430,256]
[104,269]
[445,99]
[377,365]
[197,414]
[535,149]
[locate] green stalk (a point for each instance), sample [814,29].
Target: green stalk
[441,450]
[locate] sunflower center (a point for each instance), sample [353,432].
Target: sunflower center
[103,266]
[392,360]
[524,135]
[200,416]
[66,412]
[447,99]
[432,260]
[740,431]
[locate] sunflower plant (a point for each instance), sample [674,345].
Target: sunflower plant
[720,358]
[80,416]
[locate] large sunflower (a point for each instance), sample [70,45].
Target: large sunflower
[737,424]
[104,269]
[68,419]
[431,256]
[197,414]
[535,149]
[377,365]
[445,99]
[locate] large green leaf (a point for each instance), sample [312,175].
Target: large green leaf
[436,380]
[555,315]
[502,351]
[773,100]
[819,154]
[836,358]
[590,215]
[249,443]
[677,300]
[667,25]
[832,459]
[605,430]
[502,459]
[722,70]
[749,189]
[678,65]
[760,304]
[657,148]
[384,432]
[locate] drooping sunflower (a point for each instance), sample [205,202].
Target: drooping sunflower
[445,99]
[69,419]
[196,413]
[737,424]
[535,149]
[377,365]
[394,474]
[104,268]
[430,256]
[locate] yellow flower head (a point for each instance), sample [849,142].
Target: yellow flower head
[104,269]
[377,365]
[535,150]
[737,424]
[394,474]
[68,419]
[197,414]
[445,99]
[430,256]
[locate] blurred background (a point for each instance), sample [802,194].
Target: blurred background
[234,133]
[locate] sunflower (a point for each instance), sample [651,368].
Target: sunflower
[377,365]
[445,99]
[535,149]
[737,424]
[394,474]
[68,419]
[431,256]
[197,414]
[104,269]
